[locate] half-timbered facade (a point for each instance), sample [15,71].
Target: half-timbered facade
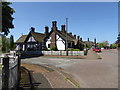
[54,38]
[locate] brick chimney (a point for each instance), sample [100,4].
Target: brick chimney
[63,28]
[53,40]
[81,39]
[46,30]
[70,33]
[53,35]
[75,36]
[54,25]
[32,29]
[78,37]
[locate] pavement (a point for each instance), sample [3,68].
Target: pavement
[45,77]
[88,73]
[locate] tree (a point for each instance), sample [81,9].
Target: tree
[103,44]
[118,40]
[7,18]
[114,45]
[100,45]
[5,44]
[12,45]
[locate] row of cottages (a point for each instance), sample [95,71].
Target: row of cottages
[54,38]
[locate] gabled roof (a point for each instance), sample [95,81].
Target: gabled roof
[62,34]
[21,39]
[39,37]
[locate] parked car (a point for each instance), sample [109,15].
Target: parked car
[96,49]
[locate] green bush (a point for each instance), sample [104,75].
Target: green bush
[71,49]
[54,49]
[45,49]
[76,49]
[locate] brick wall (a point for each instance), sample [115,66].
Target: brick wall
[53,40]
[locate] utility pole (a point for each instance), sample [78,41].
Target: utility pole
[66,36]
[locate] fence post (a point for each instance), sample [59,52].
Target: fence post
[18,72]
[5,73]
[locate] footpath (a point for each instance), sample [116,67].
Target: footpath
[34,77]
[92,55]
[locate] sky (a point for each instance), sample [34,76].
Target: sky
[87,19]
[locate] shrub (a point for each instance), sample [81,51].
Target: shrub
[54,49]
[76,49]
[45,49]
[71,49]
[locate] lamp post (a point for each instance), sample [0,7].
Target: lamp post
[66,36]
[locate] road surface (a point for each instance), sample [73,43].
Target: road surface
[101,73]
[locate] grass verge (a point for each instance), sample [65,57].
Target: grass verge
[69,79]
[0,66]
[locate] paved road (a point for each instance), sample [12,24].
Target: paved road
[102,73]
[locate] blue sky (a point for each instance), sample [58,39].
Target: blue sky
[88,19]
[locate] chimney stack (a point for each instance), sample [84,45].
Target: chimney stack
[78,37]
[46,30]
[54,25]
[63,28]
[81,39]
[70,33]
[32,29]
[75,36]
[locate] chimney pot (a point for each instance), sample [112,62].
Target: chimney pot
[54,23]
[81,39]
[78,37]
[46,30]
[70,33]
[63,28]
[32,29]
[75,36]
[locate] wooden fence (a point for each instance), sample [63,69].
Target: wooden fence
[70,53]
[10,72]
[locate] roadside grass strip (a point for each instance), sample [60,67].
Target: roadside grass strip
[66,76]
[0,66]
[73,82]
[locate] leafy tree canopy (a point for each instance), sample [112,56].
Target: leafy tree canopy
[103,44]
[7,18]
